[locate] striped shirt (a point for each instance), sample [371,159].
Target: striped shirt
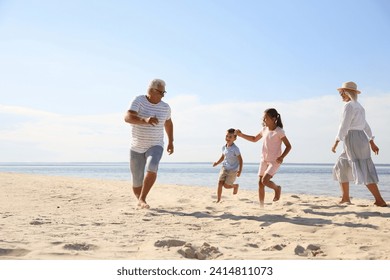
[145,136]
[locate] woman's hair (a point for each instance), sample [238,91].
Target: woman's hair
[271,112]
[351,94]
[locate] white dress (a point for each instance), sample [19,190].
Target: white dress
[355,163]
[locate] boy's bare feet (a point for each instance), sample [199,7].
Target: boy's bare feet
[235,188]
[278,191]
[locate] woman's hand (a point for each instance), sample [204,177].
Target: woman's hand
[335,146]
[374,147]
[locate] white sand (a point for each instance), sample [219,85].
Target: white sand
[44,217]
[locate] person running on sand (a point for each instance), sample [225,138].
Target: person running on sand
[355,163]
[231,164]
[272,156]
[149,117]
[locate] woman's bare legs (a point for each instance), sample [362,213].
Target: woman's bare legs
[373,188]
[345,192]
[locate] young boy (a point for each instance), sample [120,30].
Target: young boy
[231,164]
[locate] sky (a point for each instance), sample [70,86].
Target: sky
[69,70]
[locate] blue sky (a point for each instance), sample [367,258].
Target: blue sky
[69,69]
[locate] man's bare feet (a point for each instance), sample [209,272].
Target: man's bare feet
[235,188]
[278,191]
[143,205]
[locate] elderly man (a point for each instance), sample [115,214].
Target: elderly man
[149,116]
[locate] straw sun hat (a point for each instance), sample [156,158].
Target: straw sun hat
[350,86]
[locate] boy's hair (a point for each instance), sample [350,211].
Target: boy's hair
[271,112]
[232,131]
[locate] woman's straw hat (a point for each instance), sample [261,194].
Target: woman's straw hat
[350,86]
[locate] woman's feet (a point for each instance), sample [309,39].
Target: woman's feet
[345,201]
[380,204]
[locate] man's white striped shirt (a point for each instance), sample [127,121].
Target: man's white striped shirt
[145,136]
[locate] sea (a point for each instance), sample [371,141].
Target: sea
[295,178]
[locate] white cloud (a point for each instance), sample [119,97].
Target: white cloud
[43,136]
[310,125]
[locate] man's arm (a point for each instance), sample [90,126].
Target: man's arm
[133,118]
[169,130]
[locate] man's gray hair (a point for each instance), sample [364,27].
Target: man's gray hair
[155,83]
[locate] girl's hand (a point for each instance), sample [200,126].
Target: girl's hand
[279,160]
[237,132]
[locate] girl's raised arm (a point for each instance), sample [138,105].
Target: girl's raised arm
[248,137]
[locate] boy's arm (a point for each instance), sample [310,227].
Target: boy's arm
[240,161]
[219,161]
[286,150]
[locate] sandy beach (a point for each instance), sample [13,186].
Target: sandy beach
[47,217]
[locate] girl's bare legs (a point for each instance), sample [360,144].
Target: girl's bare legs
[267,182]
[261,192]
[345,192]
[373,188]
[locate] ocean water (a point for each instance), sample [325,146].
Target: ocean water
[314,179]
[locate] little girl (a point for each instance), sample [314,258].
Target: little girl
[272,156]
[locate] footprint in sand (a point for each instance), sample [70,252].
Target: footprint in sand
[38,222]
[13,252]
[204,252]
[252,245]
[79,247]
[277,247]
[169,243]
[310,251]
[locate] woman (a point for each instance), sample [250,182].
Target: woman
[355,163]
